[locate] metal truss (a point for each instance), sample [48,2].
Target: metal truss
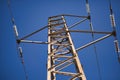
[63,58]
[61,51]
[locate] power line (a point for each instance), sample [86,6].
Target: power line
[93,38]
[19,49]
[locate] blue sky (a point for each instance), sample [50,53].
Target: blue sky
[31,15]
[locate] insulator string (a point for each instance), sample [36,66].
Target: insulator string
[19,49]
[112,19]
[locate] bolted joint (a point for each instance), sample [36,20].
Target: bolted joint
[89,17]
[114,33]
[18,41]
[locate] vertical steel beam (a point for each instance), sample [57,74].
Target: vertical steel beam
[50,75]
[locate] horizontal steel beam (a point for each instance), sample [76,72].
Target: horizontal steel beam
[70,15]
[65,73]
[75,16]
[36,42]
[87,31]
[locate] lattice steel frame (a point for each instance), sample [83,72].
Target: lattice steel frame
[61,51]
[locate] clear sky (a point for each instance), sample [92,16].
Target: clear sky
[31,15]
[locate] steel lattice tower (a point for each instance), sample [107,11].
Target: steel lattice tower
[63,59]
[61,51]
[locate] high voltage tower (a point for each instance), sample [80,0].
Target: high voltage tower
[62,54]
